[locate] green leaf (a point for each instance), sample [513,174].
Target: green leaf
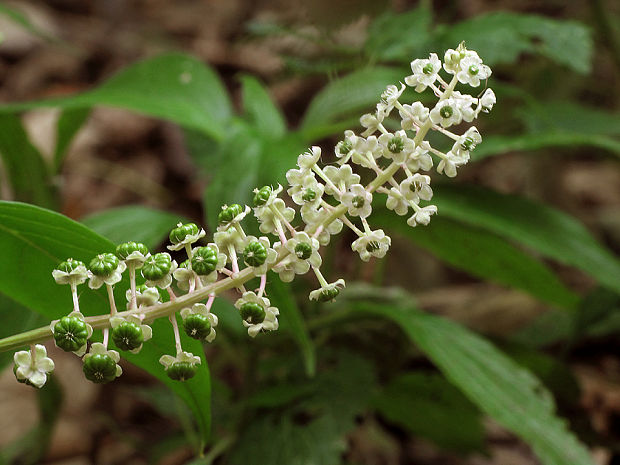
[501,37]
[357,91]
[19,18]
[497,145]
[24,165]
[541,228]
[501,388]
[429,406]
[69,123]
[484,255]
[173,86]
[34,241]
[291,320]
[134,223]
[311,430]
[260,109]
[399,36]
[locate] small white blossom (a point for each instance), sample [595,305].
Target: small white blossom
[268,218]
[373,244]
[471,70]
[487,100]
[270,321]
[303,253]
[358,201]
[344,148]
[446,113]
[371,122]
[328,292]
[77,276]
[229,238]
[308,159]
[390,96]
[465,104]
[466,143]
[397,147]
[416,187]
[313,218]
[422,216]
[365,151]
[147,331]
[397,202]
[146,297]
[33,367]
[201,309]
[452,58]
[420,158]
[449,163]
[96,282]
[424,72]
[342,177]
[413,115]
[304,190]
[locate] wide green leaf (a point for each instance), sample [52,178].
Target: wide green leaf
[23,164]
[484,255]
[173,86]
[260,109]
[501,388]
[33,241]
[133,223]
[541,228]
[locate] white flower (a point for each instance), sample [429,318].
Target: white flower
[136,259]
[420,158]
[371,122]
[422,215]
[201,309]
[224,240]
[373,244]
[189,239]
[446,113]
[342,177]
[471,70]
[466,143]
[267,217]
[33,368]
[147,331]
[424,72]
[464,103]
[487,100]
[390,96]
[327,293]
[344,147]
[397,202]
[413,115]
[449,163]
[76,276]
[146,296]
[98,348]
[358,201]
[397,146]
[308,159]
[313,218]
[184,357]
[272,255]
[97,281]
[303,252]
[416,187]
[452,58]
[365,151]
[304,190]
[270,320]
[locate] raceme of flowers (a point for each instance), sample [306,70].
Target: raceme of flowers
[327,199]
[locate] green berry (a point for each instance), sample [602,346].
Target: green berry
[103,265]
[228,213]
[309,195]
[70,333]
[303,250]
[179,233]
[261,197]
[127,335]
[252,312]
[328,295]
[69,265]
[126,249]
[446,111]
[181,371]
[157,266]
[473,70]
[428,69]
[255,254]
[204,260]
[99,368]
[197,326]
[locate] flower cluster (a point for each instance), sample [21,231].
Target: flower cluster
[327,199]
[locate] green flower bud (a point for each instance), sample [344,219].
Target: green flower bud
[204,260]
[69,265]
[446,111]
[124,250]
[99,368]
[252,312]
[303,250]
[179,233]
[127,336]
[70,333]
[261,197]
[157,266]
[255,254]
[103,265]
[181,371]
[228,213]
[197,326]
